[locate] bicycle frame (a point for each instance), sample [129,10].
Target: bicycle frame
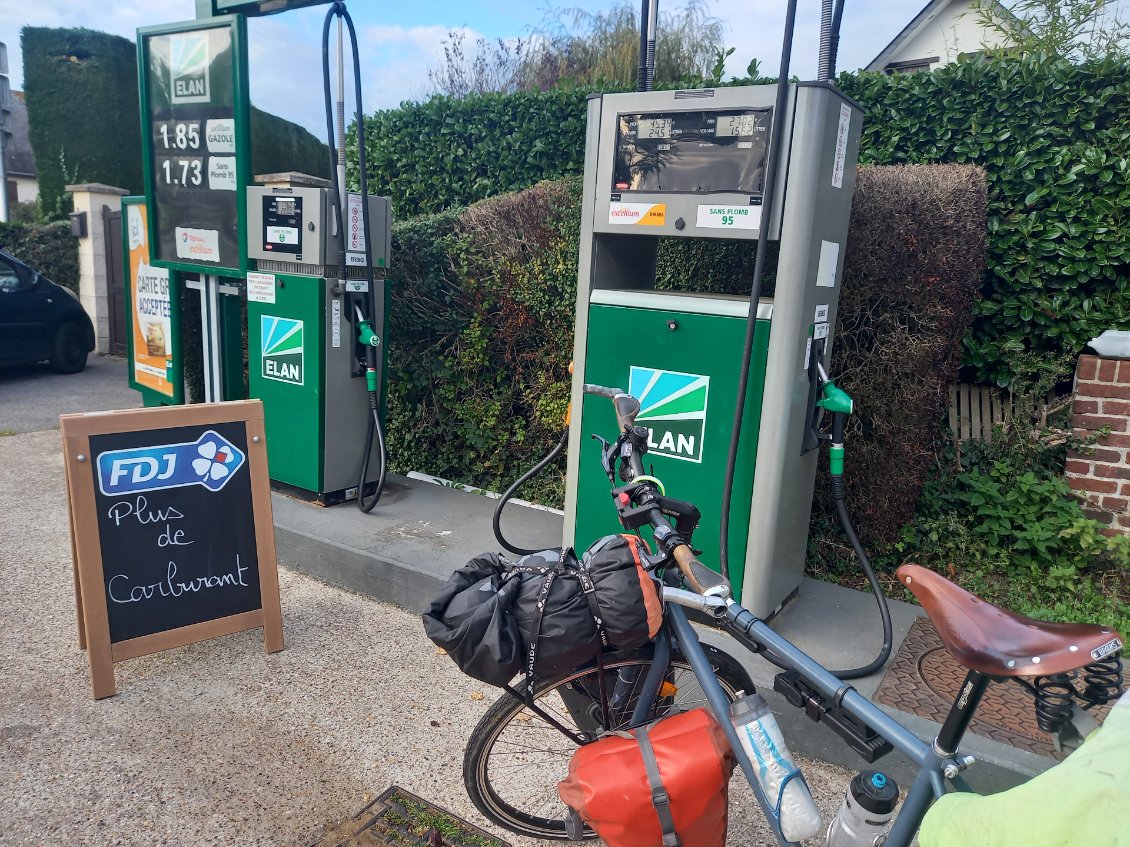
[934,763]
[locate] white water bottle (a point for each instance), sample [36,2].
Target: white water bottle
[868,807]
[772,763]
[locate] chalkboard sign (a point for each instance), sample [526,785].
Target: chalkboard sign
[195,146]
[173,535]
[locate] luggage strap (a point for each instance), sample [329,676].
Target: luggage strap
[659,797]
[550,573]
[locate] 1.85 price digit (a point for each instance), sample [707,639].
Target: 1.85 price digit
[184,136]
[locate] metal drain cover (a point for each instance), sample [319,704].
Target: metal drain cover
[400,818]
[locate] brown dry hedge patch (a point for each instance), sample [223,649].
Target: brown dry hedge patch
[915,257]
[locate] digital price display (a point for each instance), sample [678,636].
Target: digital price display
[698,152]
[191,92]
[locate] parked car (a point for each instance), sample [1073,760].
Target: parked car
[40,320]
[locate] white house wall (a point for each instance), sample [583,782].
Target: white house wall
[956,30]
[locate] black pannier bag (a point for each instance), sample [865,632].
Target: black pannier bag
[547,613]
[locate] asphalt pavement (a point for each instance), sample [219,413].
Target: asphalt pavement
[32,397]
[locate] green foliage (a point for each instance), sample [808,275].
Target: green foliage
[452,152]
[1054,140]
[81,91]
[1076,29]
[1000,519]
[480,336]
[48,248]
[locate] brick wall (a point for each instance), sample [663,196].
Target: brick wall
[1102,476]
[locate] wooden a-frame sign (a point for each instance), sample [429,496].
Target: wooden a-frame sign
[172,536]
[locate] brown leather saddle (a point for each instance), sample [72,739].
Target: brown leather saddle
[996,642]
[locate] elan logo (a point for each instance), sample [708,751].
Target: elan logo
[188,68]
[673,409]
[282,349]
[211,460]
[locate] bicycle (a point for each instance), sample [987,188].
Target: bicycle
[521,747]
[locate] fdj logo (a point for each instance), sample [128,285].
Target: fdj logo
[673,408]
[281,348]
[188,68]
[211,460]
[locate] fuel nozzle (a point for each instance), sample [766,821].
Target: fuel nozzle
[839,404]
[370,341]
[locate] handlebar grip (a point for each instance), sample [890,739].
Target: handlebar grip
[698,576]
[601,391]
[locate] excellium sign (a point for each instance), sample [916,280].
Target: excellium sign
[673,409]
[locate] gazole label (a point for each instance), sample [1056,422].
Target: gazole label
[282,350]
[673,409]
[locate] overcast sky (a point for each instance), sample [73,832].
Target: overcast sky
[400,41]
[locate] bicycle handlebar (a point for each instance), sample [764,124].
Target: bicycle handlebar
[627,406]
[698,576]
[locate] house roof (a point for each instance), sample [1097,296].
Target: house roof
[17,146]
[916,25]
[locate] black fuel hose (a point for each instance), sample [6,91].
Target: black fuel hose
[880,597]
[522,480]
[374,427]
[775,156]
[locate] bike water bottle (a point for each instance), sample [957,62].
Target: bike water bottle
[763,743]
[868,807]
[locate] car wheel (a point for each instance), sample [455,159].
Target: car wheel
[68,351]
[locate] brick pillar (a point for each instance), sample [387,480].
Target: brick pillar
[1102,476]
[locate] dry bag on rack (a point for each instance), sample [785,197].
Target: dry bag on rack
[547,613]
[664,784]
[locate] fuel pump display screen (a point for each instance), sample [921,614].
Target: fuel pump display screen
[698,152]
[282,224]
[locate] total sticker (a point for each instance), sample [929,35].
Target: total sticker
[729,217]
[637,214]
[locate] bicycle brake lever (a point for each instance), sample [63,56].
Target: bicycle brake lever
[607,452]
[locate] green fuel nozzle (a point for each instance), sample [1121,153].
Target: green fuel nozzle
[366,335]
[839,403]
[835,400]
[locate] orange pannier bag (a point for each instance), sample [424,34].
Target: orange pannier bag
[682,801]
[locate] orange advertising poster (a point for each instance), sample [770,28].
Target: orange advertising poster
[152,309]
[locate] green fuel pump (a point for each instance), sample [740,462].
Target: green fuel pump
[317,313]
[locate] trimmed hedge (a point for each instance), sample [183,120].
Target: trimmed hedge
[915,256]
[50,249]
[83,113]
[1052,137]
[84,117]
[452,151]
[482,323]
[1054,140]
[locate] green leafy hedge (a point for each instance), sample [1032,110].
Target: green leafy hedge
[83,113]
[1052,137]
[50,249]
[454,151]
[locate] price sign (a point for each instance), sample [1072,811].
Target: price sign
[194,79]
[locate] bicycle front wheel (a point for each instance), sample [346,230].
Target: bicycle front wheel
[515,757]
